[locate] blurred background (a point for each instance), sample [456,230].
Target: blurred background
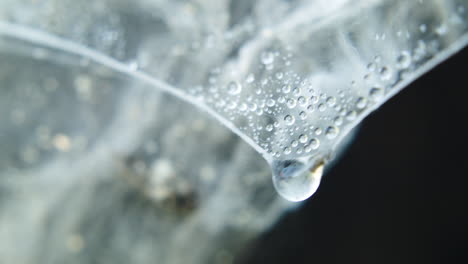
[399,194]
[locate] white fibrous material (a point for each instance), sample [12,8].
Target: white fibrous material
[131,130]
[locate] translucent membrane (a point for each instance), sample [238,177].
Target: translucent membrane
[292,84]
[290,78]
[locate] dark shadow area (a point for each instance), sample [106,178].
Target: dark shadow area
[399,194]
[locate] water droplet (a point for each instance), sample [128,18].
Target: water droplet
[361,103]
[250,78]
[321,107]
[331,101]
[376,93]
[314,99]
[270,102]
[234,88]
[404,60]
[331,132]
[294,181]
[385,73]
[318,131]
[294,143]
[243,107]
[314,143]
[267,57]
[296,91]
[269,127]
[289,119]
[303,138]
[232,105]
[338,120]
[303,115]
[351,115]
[291,103]
[252,106]
[302,101]
[371,67]
[286,89]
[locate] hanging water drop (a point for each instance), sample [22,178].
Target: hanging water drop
[294,181]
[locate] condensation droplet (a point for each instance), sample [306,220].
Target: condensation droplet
[234,88]
[294,143]
[250,78]
[385,73]
[331,132]
[314,143]
[321,107]
[376,93]
[286,89]
[371,67]
[269,127]
[351,115]
[338,120]
[302,101]
[270,102]
[303,115]
[291,103]
[279,75]
[289,120]
[361,103]
[331,101]
[404,60]
[267,57]
[303,138]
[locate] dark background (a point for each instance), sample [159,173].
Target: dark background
[399,194]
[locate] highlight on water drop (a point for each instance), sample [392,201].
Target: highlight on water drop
[294,180]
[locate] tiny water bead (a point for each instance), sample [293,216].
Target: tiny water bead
[361,103]
[404,60]
[267,57]
[234,88]
[376,93]
[291,103]
[250,78]
[289,119]
[294,181]
[331,132]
